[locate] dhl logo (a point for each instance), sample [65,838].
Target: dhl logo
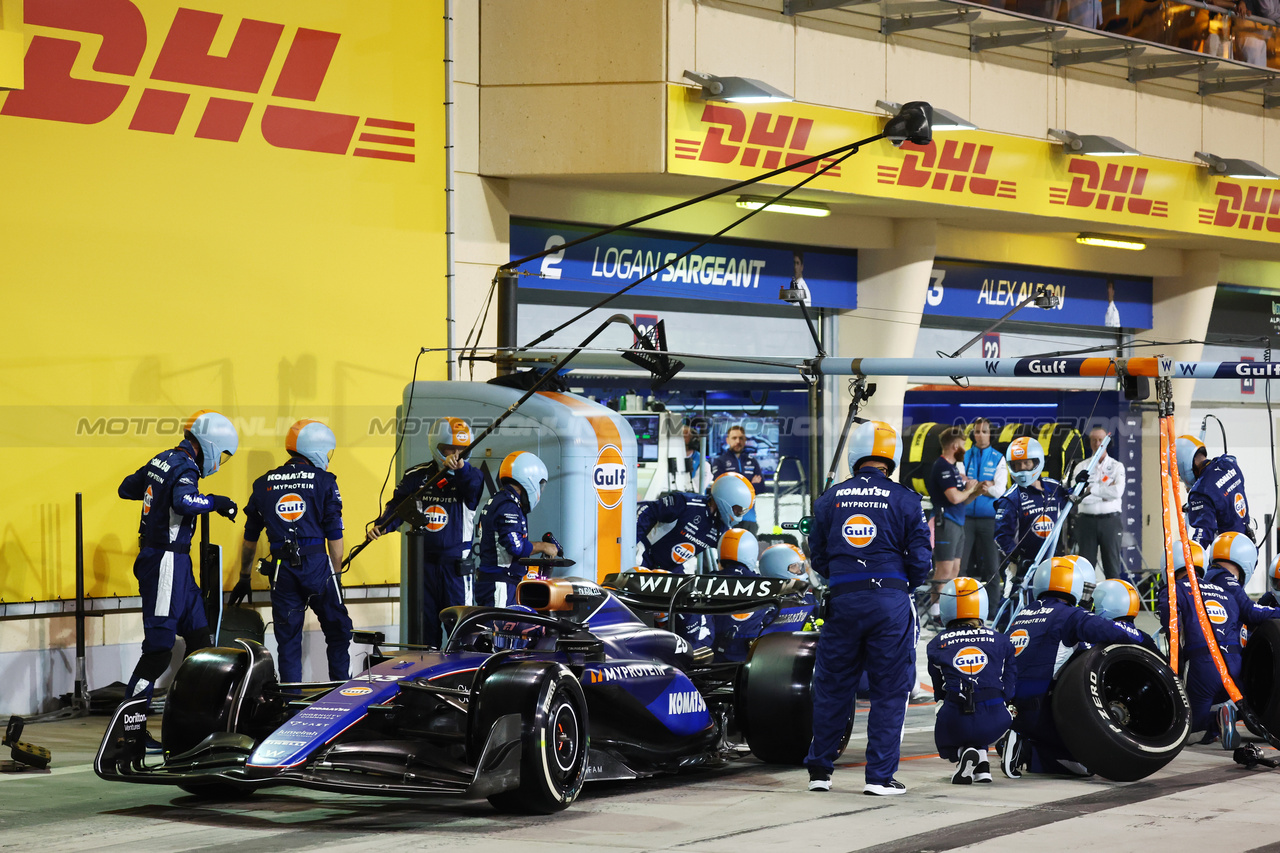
[1116,188]
[186,58]
[773,140]
[1246,208]
[956,167]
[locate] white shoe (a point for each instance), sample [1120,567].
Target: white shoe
[966,767]
[891,789]
[819,780]
[982,773]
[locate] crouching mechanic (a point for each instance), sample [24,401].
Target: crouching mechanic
[171,500]
[446,507]
[504,528]
[1232,561]
[1037,634]
[1215,491]
[972,668]
[1026,514]
[871,541]
[1271,598]
[732,634]
[299,506]
[673,530]
[1118,600]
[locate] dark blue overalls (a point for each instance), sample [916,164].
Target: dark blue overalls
[973,676]
[504,539]
[1216,502]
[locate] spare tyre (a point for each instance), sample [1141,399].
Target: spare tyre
[1121,711]
[1260,673]
[923,447]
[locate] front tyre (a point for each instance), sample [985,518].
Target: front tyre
[774,698]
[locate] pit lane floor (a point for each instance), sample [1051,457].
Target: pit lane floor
[1200,802]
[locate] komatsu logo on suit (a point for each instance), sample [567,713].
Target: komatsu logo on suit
[186,68]
[859,531]
[436,517]
[609,477]
[291,507]
[685,702]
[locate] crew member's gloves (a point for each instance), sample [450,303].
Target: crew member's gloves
[551,540]
[1082,477]
[241,591]
[224,506]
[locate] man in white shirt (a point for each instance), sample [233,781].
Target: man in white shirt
[1112,320]
[1099,524]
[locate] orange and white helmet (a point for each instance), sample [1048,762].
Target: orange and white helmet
[216,437]
[1115,599]
[1187,446]
[874,440]
[1020,449]
[739,546]
[1232,547]
[962,598]
[782,561]
[1180,557]
[1073,576]
[1273,576]
[733,495]
[449,432]
[313,441]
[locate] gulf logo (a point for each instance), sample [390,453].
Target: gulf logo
[1239,504]
[859,531]
[1216,612]
[356,691]
[1019,638]
[436,517]
[970,660]
[146,501]
[1042,526]
[683,553]
[291,507]
[609,477]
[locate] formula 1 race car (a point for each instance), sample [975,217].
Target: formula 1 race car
[522,705]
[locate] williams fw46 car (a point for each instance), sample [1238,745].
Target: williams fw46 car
[522,705]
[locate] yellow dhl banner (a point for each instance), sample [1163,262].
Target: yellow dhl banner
[966,169]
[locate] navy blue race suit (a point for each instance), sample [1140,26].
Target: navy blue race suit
[1038,634]
[973,676]
[1216,502]
[504,538]
[447,505]
[675,529]
[1024,520]
[299,506]
[168,486]
[871,540]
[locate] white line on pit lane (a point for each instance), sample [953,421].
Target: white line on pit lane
[907,731]
[36,774]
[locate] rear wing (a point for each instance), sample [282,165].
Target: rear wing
[703,594]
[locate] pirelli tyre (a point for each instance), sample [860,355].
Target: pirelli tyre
[923,446]
[1260,673]
[774,704]
[201,701]
[554,733]
[1120,711]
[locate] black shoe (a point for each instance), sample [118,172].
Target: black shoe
[982,773]
[1011,758]
[153,746]
[819,780]
[892,788]
[965,768]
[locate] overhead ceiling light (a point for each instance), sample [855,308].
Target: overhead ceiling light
[1112,241]
[800,208]
[1223,167]
[942,119]
[739,90]
[1092,146]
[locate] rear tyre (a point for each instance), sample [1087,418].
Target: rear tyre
[1121,712]
[554,734]
[1260,674]
[774,698]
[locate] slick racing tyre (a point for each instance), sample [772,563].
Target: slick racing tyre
[554,730]
[1120,711]
[201,699]
[1260,673]
[774,705]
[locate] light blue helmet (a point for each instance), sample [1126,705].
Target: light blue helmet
[874,440]
[313,441]
[740,546]
[1073,576]
[1115,599]
[1020,449]
[526,469]
[215,435]
[1187,446]
[1235,548]
[449,432]
[962,598]
[777,562]
[734,496]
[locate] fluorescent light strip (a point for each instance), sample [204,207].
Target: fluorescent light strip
[798,208]
[1111,241]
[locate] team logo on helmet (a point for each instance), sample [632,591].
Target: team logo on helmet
[683,552]
[291,507]
[1018,450]
[436,517]
[1042,526]
[1019,638]
[970,660]
[859,531]
[1239,505]
[609,477]
[356,691]
[146,501]
[1216,612]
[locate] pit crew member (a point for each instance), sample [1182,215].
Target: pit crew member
[504,527]
[1216,502]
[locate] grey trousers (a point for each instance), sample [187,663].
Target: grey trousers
[1094,532]
[980,536]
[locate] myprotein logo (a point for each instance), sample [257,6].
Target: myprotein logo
[1244,208]
[1042,526]
[1019,638]
[1216,612]
[228,85]
[858,530]
[683,553]
[436,517]
[291,507]
[1112,187]
[970,660]
[609,477]
[773,140]
[955,167]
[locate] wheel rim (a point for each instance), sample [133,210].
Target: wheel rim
[1137,699]
[564,738]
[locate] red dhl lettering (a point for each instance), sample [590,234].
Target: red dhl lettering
[1116,188]
[1246,208]
[773,141]
[955,167]
[52,94]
